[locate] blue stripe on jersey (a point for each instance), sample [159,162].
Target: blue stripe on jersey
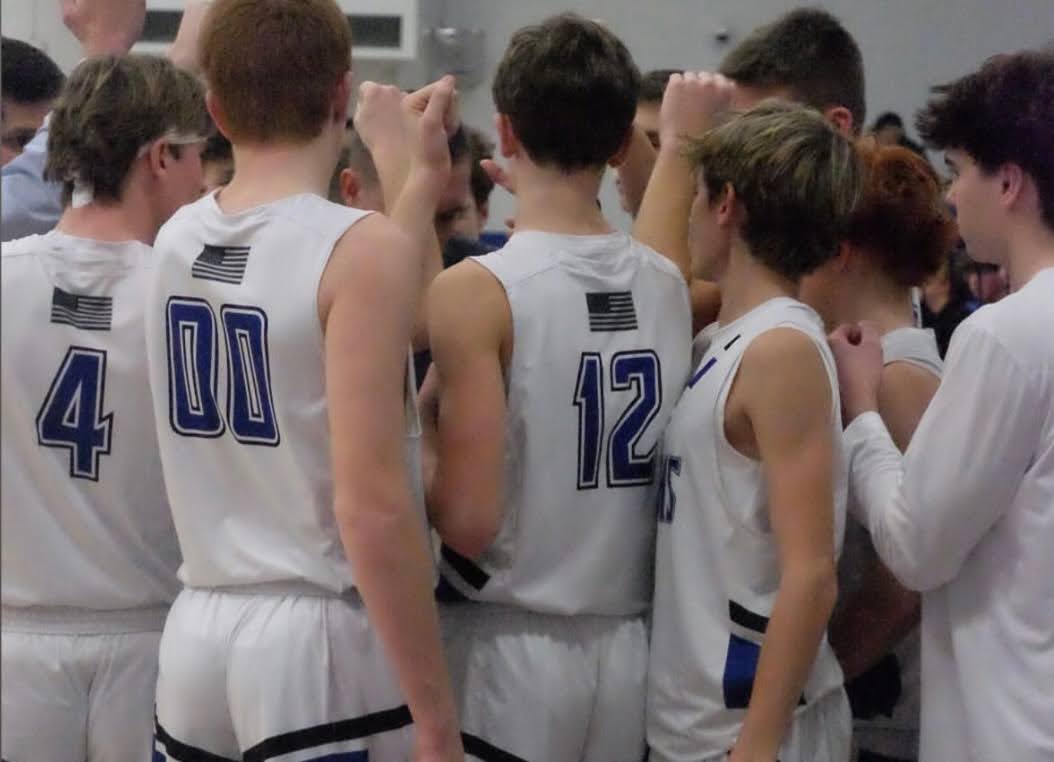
[487,752]
[465,568]
[343,756]
[741,664]
[702,372]
[328,733]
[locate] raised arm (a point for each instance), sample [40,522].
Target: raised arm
[366,302]
[795,443]
[407,137]
[691,105]
[471,328]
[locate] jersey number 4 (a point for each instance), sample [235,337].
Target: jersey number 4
[72,414]
[626,467]
[193,366]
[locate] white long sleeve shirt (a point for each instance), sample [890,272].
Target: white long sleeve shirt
[967,518]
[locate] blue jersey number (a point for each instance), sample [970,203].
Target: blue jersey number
[72,414]
[626,466]
[193,362]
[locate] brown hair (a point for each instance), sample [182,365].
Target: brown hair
[795,176]
[809,52]
[901,219]
[112,107]
[273,65]
[1003,113]
[569,87]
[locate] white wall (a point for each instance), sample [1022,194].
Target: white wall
[907,44]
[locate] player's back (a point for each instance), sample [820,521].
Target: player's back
[237,371]
[85,522]
[601,349]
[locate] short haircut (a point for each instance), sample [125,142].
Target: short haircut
[569,87]
[480,147]
[28,75]
[274,65]
[901,220]
[1003,113]
[810,53]
[795,176]
[111,108]
[217,148]
[355,155]
[888,119]
[653,84]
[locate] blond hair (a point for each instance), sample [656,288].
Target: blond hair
[110,108]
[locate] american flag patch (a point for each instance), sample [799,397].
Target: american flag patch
[223,263]
[90,313]
[611,311]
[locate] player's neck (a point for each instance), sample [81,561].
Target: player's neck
[555,202]
[746,283]
[266,173]
[1031,249]
[132,219]
[874,299]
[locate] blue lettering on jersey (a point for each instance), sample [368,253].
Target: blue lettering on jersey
[72,417]
[666,497]
[638,371]
[193,366]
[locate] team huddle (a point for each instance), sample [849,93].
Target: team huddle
[679,495]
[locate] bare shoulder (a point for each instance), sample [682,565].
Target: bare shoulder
[374,254]
[468,297]
[783,353]
[905,377]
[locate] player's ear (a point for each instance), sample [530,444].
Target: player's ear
[349,187]
[212,105]
[620,155]
[845,256]
[1012,183]
[157,156]
[727,208]
[841,118]
[508,143]
[342,97]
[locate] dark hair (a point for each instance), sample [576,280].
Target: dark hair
[1003,113]
[794,175]
[28,75]
[887,119]
[809,52]
[479,147]
[109,110]
[569,87]
[357,156]
[274,65]
[217,148]
[653,84]
[901,219]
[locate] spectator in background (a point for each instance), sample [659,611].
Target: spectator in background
[947,299]
[988,282]
[480,148]
[217,162]
[888,130]
[31,81]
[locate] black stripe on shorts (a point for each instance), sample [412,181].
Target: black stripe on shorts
[184,752]
[480,749]
[331,732]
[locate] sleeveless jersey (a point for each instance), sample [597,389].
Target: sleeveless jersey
[237,371]
[601,350]
[85,520]
[887,721]
[717,568]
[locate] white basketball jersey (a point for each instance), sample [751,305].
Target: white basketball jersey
[889,722]
[237,370]
[601,351]
[717,567]
[85,520]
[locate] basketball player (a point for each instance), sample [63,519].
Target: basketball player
[559,358]
[900,233]
[966,516]
[754,480]
[278,333]
[806,56]
[89,550]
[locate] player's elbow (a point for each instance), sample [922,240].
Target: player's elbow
[813,583]
[468,531]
